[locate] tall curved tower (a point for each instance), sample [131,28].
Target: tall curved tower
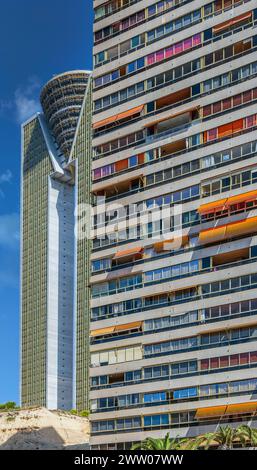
[61,100]
[56,174]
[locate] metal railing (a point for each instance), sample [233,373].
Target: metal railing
[144,284]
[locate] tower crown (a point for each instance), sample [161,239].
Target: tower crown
[61,100]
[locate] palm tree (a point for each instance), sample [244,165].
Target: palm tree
[203,441]
[159,444]
[224,437]
[248,435]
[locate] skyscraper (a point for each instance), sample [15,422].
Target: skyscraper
[174,261]
[56,168]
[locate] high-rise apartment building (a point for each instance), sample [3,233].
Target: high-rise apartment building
[173,315]
[56,169]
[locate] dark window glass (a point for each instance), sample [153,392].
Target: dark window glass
[253,251]
[208,59]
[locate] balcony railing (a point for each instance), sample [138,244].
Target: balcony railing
[220,420]
[173,278]
[175,376]
[173,402]
[173,327]
[170,132]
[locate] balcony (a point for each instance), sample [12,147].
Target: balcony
[173,98]
[174,148]
[231,257]
[112,191]
[164,128]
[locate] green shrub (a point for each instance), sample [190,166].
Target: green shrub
[9,405]
[83,413]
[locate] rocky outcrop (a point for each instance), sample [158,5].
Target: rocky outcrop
[41,429]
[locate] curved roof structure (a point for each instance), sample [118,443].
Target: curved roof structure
[61,100]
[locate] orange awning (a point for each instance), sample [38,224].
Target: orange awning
[234,229]
[249,407]
[167,118]
[129,326]
[231,22]
[242,17]
[118,117]
[243,197]
[212,206]
[171,244]
[103,331]
[210,412]
[114,329]
[127,253]
[223,204]
[242,228]
[212,235]
[215,411]
[221,26]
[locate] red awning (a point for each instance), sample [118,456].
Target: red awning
[127,253]
[118,117]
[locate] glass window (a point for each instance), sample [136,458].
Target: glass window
[140,63]
[115,75]
[131,67]
[151,10]
[132,161]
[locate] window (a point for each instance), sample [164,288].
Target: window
[154,397]
[156,372]
[156,420]
[168,322]
[116,356]
[134,305]
[185,393]
[229,182]
[102,264]
[115,145]
[177,345]
[133,376]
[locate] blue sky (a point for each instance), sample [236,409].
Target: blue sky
[37,39]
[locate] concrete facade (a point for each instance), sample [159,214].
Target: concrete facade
[173,331]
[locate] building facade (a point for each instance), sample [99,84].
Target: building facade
[174,258]
[56,162]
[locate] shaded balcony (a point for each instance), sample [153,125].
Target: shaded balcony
[174,147]
[231,257]
[165,127]
[122,188]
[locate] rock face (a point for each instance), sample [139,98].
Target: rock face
[41,429]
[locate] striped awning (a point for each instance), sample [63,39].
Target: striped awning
[225,410]
[114,329]
[234,229]
[233,21]
[223,204]
[137,250]
[118,117]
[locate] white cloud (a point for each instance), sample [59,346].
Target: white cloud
[9,230]
[6,177]
[26,99]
